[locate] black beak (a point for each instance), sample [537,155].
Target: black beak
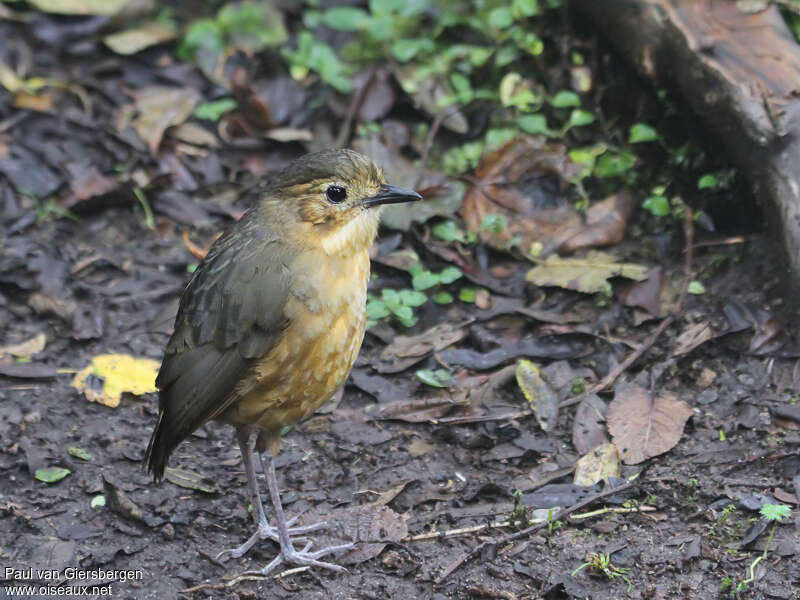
[391,194]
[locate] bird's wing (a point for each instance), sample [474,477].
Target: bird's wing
[231,313]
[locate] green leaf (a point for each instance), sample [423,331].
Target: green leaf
[564,99]
[51,474]
[613,164]
[439,378]
[695,287]
[405,50]
[579,117]
[212,111]
[657,205]
[450,274]
[533,124]
[97,501]
[461,84]
[707,181]
[412,298]
[203,34]
[775,512]
[467,294]
[424,280]
[525,8]
[641,132]
[501,17]
[390,297]
[79,453]
[404,314]
[376,310]
[449,232]
[415,269]
[345,18]
[493,222]
[442,298]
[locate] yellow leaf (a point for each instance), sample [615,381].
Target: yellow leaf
[109,375]
[541,397]
[588,275]
[597,465]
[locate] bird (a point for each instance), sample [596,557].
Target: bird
[271,323]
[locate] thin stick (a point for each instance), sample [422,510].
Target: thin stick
[688,236]
[426,149]
[562,514]
[240,578]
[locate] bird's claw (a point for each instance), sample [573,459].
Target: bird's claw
[268,532]
[305,558]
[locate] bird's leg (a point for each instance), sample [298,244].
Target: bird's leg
[264,530]
[288,552]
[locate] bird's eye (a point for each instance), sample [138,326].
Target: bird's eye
[336,194]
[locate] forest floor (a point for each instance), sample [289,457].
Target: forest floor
[420,458]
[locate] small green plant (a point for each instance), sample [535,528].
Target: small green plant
[770,512]
[601,564]
[439,378]
[450,232]
[518,517]
[552,526]
[422,279]
[397,303]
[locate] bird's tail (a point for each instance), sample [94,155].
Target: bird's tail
[158,450]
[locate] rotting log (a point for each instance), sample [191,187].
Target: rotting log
[740,72]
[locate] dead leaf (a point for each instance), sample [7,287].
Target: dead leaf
[119,502]
[691,337]
[27,348]
[194,134]
[137,39]
[597,465]
[605,224]
[646,294]
[523,181]
[421,410]
[643,426]
[42,102]
[161,107]
[370,526]
[406,351]
[541,397]
[79,7]
[588,429]
[190,480]
[109,375]
[589,274]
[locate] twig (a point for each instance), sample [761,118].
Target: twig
[612,509]
[355,105]
[435,535]
[562,514]
[688,237]
[240,578]
[426,149]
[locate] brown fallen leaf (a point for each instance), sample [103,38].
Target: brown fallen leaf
[523,181]
[643,426]
[138,38]
[369,526]
[645,294]
[406,351]
[588,429]
[159,108]
[605,224]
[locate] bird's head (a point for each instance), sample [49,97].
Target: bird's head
[335,199]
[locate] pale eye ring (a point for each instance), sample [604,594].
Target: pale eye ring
[336,194]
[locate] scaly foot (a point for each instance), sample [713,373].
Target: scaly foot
[305,558]
[266,531]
